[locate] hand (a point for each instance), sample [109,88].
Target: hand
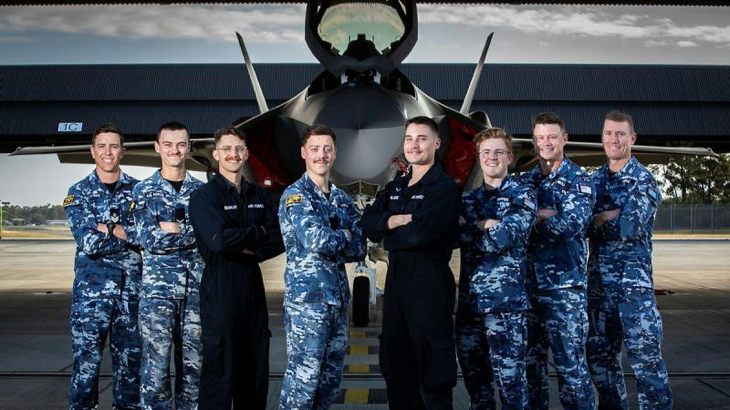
[170,227]
[397,221]
[544,214]
[249,252]
[102,228]
[485,224]
[119,232]
[605,216]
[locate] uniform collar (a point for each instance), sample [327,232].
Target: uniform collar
[628,169]
[95,180]
[505,184]
[430,176]
[167,186]
[564,168]
[309,184]
[228,186]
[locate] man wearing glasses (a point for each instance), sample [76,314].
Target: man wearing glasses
[491,326]
[236,228]
[558,250]
[169,307]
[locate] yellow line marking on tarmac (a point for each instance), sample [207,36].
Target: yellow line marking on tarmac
[358,350]
[360,368]
[356,396]
[357,335]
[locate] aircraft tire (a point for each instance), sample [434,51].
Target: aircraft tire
[361,301]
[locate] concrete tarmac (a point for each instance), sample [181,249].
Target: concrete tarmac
[35,355]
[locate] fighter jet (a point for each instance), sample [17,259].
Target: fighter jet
[366,99]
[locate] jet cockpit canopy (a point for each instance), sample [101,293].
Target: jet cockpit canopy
[361,35]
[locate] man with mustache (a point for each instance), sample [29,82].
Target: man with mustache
[321,229]
[621,305]
[236,228]
[108,269]
[169,308]
[416,216]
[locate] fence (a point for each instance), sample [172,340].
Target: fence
[684,219]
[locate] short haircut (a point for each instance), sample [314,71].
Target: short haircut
[108,127]
[423,120]
[493,133]
[229,131]
[549,118]
[172,126]
[317,129]
[620,116]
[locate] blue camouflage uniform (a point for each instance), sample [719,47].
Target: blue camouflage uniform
[105,292]
[317,292]
[557,283]
[169,296]
[621,303]
[491,327]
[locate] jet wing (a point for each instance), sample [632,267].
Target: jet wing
[137,154]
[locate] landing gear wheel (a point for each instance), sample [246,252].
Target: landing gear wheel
[361,301]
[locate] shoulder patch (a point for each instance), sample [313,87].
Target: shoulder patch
[294,199]
[68,200]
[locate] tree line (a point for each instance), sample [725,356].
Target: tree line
[34,214]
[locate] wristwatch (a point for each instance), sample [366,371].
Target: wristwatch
[110,227]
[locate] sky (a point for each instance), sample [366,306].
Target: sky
[188,34]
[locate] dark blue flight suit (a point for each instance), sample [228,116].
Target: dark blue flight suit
[233,313]
[417,352]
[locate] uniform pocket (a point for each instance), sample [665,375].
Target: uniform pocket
[440,368]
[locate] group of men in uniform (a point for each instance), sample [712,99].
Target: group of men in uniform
[169,265]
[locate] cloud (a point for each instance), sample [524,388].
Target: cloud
[655,43]
[598,22]
[686,44]
[258,24]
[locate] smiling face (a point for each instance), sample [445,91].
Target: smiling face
[617,140]
[420,144]
[319,154]
[107,152]
[231,153]
[173,146]
[494,158]
[549,141]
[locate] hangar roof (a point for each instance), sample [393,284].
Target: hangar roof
[691,101]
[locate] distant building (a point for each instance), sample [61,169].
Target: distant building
[57,222]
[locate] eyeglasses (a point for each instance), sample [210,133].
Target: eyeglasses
[488,153]
[228,149]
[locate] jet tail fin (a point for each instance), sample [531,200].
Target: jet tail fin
[475,78]
[254,80]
